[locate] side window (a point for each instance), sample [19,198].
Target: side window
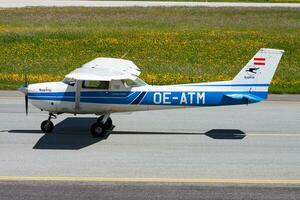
[103,85]
[129,83]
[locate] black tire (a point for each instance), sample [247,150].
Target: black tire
[47,126]
[108,124]
[99,130]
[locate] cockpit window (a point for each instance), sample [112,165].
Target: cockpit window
[103,85]
[69,81]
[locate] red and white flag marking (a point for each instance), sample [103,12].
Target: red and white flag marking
[259,61]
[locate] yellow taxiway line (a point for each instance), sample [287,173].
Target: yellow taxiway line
[148,180]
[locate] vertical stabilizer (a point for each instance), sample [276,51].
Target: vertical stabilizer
[260,69]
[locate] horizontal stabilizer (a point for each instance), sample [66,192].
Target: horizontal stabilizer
[248,97]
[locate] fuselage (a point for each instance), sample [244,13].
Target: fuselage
[59,97]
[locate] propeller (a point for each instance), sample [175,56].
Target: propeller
[26,94]
[24,89]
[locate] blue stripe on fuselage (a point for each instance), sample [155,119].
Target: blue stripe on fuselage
[83,94]
[150,98]
[53,98]
[228,85]
[196,98]
[105,97]
[51,94]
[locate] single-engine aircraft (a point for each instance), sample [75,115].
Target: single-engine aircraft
[109,85]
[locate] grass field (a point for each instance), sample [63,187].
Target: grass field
[170,45]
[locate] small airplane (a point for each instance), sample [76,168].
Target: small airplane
[110,85]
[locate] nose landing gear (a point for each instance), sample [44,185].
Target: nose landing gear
[99,129]
[47,126]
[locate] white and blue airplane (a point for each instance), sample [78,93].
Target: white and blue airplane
[109,85]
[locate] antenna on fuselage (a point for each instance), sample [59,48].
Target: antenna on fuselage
[125,54]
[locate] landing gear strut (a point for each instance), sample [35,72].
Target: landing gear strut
[47,126]
[99,129]
[108,124]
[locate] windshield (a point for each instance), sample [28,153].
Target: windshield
[69,81]
[140,82]
[133,83]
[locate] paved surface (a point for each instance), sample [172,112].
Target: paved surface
[258,143]
[62,3]
[71,190]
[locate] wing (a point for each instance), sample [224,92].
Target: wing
[106,69]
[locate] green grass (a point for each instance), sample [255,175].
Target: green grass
[170,45]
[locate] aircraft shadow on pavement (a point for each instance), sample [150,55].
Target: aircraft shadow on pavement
[70,134]
[73,133]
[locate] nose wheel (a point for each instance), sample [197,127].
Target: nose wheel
[99,129]
[47,126]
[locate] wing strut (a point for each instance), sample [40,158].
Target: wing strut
[77,95]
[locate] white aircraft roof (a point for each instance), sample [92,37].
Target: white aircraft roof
[106,69]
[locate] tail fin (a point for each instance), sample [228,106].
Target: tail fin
[260,69]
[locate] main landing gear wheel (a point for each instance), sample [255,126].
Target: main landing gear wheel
[99,130]
[108,124]
[47,126]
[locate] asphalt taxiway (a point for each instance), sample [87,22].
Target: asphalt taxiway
[128,191]
[247,150]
